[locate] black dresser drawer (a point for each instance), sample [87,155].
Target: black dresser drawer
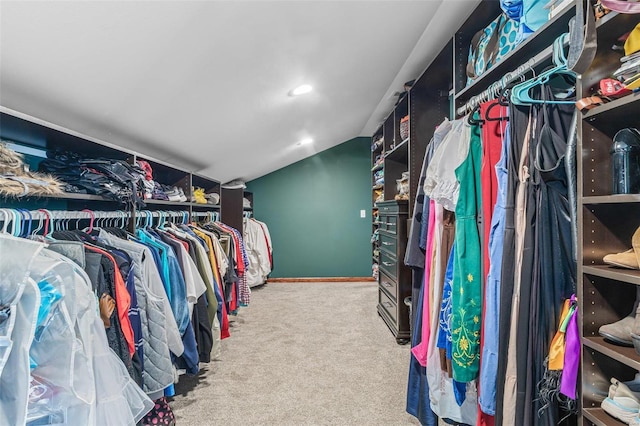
[388,305]
[388,207]
[389,243]
[389,224]
[389,285]
[389,264]
[393,207]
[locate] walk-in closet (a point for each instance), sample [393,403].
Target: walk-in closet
[320,213]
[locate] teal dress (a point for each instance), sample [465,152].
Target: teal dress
[466,295]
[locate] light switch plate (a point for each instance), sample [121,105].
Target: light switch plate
[363,213]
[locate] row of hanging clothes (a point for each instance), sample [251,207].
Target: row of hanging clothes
[97,323]
[257,240]
[492,249]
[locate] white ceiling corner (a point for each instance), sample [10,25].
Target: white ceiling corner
[203,84]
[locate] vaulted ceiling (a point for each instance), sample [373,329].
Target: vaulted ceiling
[204,84]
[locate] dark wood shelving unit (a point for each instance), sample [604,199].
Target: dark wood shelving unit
[168,203]
[530,47]
[399,151]
[205,206]
[426,104]
[619,274]
[26,130]
[378,150]
[606,223]
[624,102]
[32,132]
[611,199]
[67,196]
[598,417]
[623,354]
[231,207]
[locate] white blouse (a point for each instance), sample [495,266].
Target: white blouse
[441,184]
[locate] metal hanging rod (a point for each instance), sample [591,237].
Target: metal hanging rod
[212,216]
[494,89]
[41,214]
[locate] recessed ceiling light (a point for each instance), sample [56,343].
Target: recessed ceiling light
[300,90]
[305,141]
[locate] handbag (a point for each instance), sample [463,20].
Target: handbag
[490,45]
[621,6]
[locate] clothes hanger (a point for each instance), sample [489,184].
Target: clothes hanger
[520,94]
[99,221]
[147,218]
[7,217]
[24,231]
[124,220]
[17,223]
[47,215]
[93,216]
[472,121]
[5,221]
[40,224]
[503,100]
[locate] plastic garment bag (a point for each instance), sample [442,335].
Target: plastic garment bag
[61,357]
[96,374]
[76,379]
[21,295]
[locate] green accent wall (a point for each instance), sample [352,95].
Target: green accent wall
[312,208]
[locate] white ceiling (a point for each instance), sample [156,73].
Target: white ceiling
[203,84]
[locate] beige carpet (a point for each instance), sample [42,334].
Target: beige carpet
[302,354]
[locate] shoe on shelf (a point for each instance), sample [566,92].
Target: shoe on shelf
[621,403]
[634,385]
[183,197]
[629,259]
[626,259]
[635,243]
[619,332]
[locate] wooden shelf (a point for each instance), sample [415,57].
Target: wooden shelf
[622,354]
[612,199]
[540,41]
[623,103]
[206,206]
[613,25]
[600,418]
[606,19]
[168,203]
[618,274]
[400,148]
[69,196]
